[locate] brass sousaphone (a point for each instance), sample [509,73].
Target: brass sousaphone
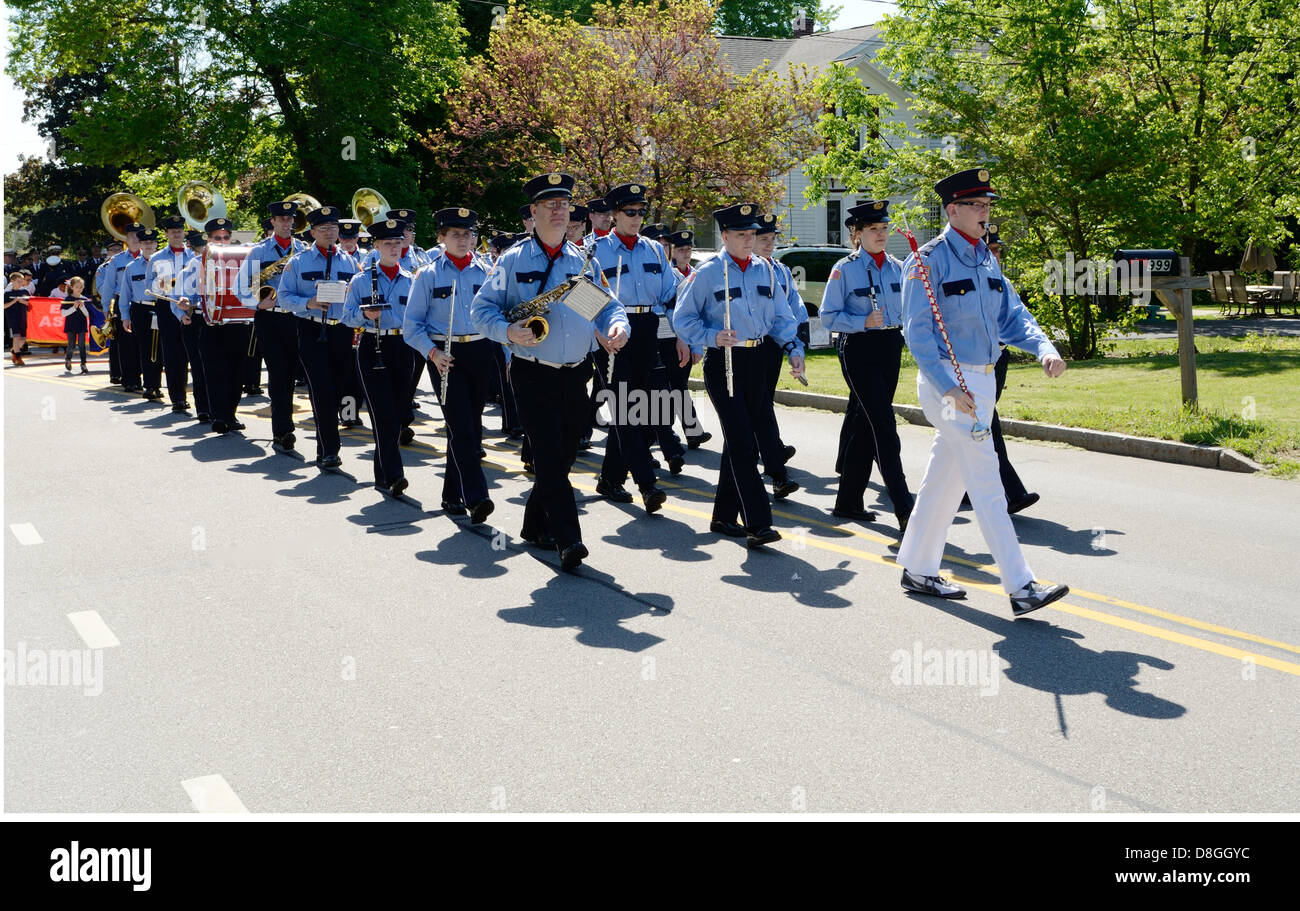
[306,204]
[121,209]
[199,201]
[367,205]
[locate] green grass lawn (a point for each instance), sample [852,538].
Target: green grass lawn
[1247,388]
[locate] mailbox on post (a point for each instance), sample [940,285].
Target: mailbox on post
[1170,277]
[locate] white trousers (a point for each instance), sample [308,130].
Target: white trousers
[958,464]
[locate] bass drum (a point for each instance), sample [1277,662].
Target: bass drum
[219,285]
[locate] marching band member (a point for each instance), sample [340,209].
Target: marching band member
[601,217]
[275,326]
[140,314]
[100,290]
[442,291]
[549,375]
[526,216]
[222,347]
[675,354]
[112,291]
[774,452]
[637,270]
[978,308]
[324,342]
[350,230]
[734,288]
[863,302]
[577,224]
[376,303]
[166,269]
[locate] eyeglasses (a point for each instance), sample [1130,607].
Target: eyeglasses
[635,213]
[555,205]
[981,204]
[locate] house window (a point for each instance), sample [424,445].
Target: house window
[833,222]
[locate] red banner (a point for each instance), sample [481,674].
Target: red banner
[45,322]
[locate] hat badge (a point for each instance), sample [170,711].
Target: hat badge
[635,188]
[879,204]
[993,229]
[745,210]
[553,178]
[463,212]
[983,175]
[390,223]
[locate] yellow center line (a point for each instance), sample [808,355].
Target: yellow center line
[514,466]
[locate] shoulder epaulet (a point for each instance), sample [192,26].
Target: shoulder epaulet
[928,247]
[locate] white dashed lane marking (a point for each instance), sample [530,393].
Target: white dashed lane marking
[26,533]
[211,794]
[93,629]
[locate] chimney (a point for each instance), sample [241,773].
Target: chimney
[803,24]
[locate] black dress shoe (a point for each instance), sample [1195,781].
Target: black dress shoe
[351,422]
[331,463]
[482,453]
[84,371]
[480,511]
[454,509]
[204,418]
[1022,503]
[406,436]
[253,390]
[902,526]
[656,464]
[696,442]
[763,536]
[584,443]
[398,486]
[220,427]
[528,468]
[784,489]
[654,499]
[612,493]
[676,464]
[730,529]
[153,395]
[542,540]
[285,440]
[240,425]
[1036,595]
[788,452]
[862,515]
[516,433]
[572,556]
[181,408]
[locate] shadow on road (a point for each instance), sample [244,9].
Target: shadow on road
[1049,658]
[780,571]
[565,601]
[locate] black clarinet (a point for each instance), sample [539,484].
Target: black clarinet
[374,299]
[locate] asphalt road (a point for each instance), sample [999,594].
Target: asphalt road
[277,640]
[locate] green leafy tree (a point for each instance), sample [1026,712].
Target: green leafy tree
[641,96]
[771,18]
[1105,124]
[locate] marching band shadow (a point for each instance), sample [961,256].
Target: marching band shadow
[674,540]
[472,550]
[808,585]
[560,604]
[323,488]
[274,465]
[393,517]
[220,448]
[1049,658]
[1063,539]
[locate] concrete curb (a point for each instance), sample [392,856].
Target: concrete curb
[1217,457]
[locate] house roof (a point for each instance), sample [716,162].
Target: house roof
[743,55]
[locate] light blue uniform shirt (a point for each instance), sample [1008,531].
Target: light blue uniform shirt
[412,259]
[518,278]
[131,286]
[264,253]
[980,309]
[785,286]
[857,287]
[298,283]
[757,307]
[431,299]
[647,278]
[392,291]
[110,284]
[168,273]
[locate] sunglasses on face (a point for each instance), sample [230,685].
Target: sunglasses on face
[635,213]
